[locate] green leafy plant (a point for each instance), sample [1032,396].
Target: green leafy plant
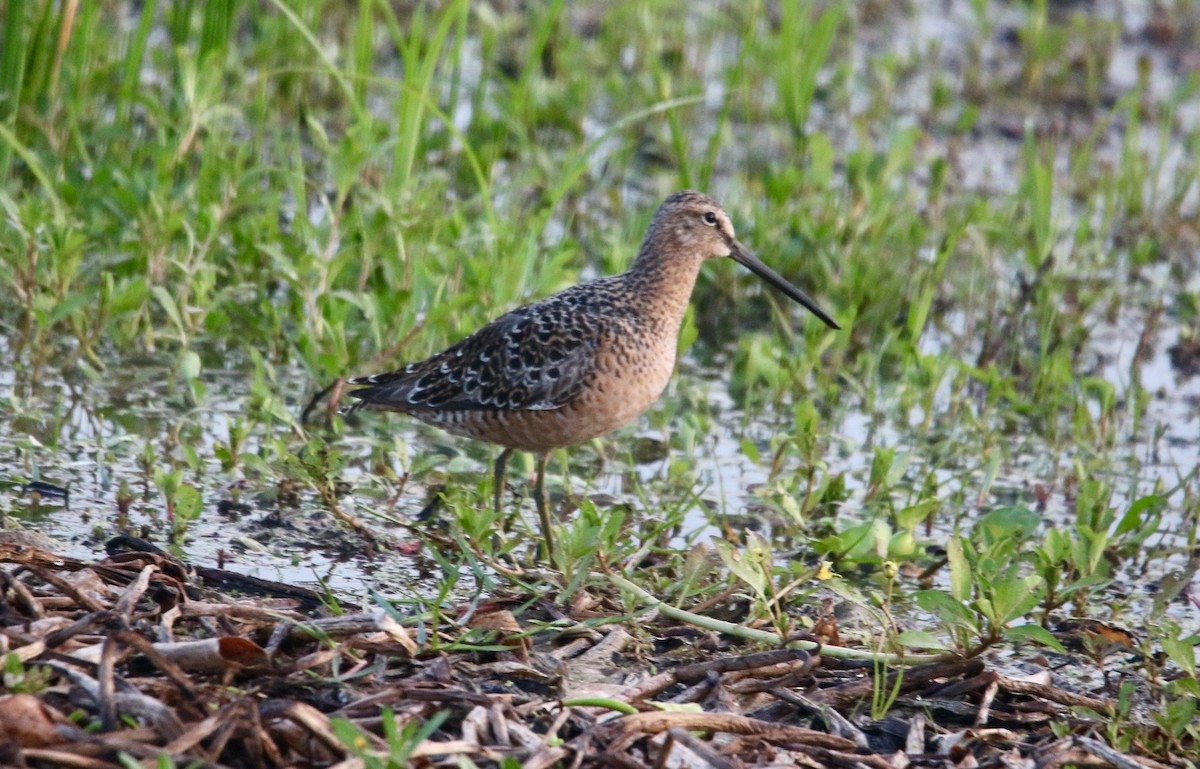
[991,584]
[754,567]
[19,678]
[399,740]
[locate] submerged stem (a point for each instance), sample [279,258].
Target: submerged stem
[763,636]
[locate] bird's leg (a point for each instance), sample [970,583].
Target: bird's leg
[539,497]
[498,479]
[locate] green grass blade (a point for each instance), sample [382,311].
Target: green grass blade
[130,74]
[12,69]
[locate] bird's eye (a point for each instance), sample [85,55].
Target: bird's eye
[710,218]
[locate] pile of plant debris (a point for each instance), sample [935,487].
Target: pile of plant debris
[139,656]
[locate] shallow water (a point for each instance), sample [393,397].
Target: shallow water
[93,446]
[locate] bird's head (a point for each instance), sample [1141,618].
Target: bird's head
[691,225]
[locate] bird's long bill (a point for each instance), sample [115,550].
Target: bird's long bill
[742,256]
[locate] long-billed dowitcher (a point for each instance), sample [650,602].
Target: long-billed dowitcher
[580,363]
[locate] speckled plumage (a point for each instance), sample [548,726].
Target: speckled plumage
[580,363]
[534,379]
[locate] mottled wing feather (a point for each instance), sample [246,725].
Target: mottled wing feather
[537,357]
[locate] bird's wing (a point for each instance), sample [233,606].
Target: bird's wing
[537,357]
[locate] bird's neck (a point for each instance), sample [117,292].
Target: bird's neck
[663,286]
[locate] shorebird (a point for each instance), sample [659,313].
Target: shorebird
[577,364]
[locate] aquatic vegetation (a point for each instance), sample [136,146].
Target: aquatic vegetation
[213,215]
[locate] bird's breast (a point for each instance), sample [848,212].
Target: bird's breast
[631,373]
